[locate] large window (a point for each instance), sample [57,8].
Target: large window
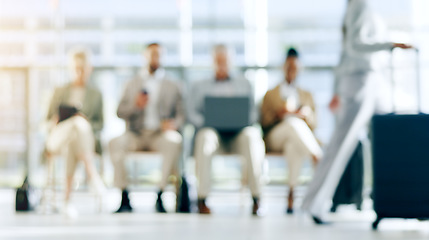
[36,35]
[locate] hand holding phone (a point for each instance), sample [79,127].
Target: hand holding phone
[142,99]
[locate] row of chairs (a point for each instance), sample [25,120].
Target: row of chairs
[136,159]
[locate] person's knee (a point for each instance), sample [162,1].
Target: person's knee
[206,144]
[81,134]
[250,141]
[250,134]
[81,125]
[294,123]
[173,138]
[206,134]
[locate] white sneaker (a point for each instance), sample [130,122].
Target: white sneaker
[69,211]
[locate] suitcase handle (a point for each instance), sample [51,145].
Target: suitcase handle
[418,81]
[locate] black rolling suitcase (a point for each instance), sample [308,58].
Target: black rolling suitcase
[400,149]
[350,188]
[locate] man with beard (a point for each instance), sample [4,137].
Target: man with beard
[209,141]
[152,108]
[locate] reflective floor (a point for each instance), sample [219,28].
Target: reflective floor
[231,220]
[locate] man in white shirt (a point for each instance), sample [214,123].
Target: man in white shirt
[152,108]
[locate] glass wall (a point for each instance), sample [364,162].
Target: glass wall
[13,125]
[36,35]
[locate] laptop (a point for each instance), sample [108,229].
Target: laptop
[227,114]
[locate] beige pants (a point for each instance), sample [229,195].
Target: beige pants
[74,138]
[295,139]
[169,143]
[248,143]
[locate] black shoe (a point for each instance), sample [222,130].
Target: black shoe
[290,201]
[159,206]
[125,203]
[257,210]
[319,221]
[202,207]
[124,209]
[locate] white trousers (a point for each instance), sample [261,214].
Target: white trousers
[248,143]
[354,115]
[296,141]
[74,138]
[168,143]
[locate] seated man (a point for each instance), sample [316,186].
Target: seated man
[288,120]
[246,142]
[75,135]
[152,108]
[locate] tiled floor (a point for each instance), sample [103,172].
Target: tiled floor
[231,220]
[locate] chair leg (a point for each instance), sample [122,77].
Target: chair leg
[101,167]
[100,198]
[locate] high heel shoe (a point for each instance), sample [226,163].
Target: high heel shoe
[319,221]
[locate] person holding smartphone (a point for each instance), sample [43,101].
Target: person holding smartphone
[288,119]
[152,108]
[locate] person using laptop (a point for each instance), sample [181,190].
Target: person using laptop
[288,118]
[242,139]
[152,107]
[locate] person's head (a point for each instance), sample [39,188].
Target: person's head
[221,61]
[152,53]
[80,65]
[290,67]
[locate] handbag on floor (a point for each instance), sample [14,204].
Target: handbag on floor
[24,200]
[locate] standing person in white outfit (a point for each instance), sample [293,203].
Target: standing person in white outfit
[288,118]
[74,136]
[356,101]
